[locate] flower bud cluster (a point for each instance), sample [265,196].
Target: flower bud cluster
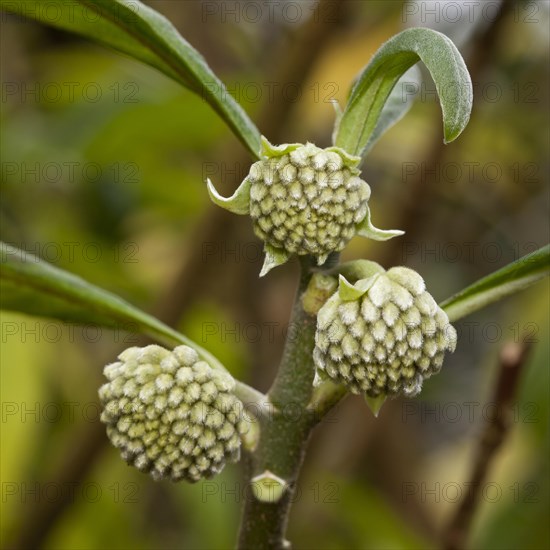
[303,200]
[386,339]
[171,414]
[307,200]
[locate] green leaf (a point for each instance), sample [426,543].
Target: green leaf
[397,105]
[137,30]
[359,125]
[31,286]
[504,282]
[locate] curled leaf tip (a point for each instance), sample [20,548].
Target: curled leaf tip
[347,291]
[367,229]
[238,203]
[376,103]
[268,150]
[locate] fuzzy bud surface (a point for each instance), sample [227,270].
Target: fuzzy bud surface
[171,414]
[385,339]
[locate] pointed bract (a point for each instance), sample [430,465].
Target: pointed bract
[375,403]
[238,203]
[319,378]
[351,161]
[347,291]
[269,150]
[366,229]
[273,258]
[322,258]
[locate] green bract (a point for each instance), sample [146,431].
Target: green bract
[303,200]
[171,414]
[382,336]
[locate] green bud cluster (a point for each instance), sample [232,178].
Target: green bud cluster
[307,200]
[384,336]
[171,414]
[303,200]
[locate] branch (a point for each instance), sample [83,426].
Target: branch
[284,436]
[513,358]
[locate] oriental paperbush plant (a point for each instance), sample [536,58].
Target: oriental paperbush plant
[175,412]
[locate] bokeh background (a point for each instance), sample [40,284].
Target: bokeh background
[103,170]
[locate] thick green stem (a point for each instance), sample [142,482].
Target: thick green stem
[284,435]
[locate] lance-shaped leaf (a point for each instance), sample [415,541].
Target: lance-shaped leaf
[504,282]
[358,126]
[31,286]
[137,30]
[397,105]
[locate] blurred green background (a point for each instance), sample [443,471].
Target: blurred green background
[103,169]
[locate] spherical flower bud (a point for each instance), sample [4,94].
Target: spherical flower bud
[382,336]
[307,200]
[304,200]
[171,414]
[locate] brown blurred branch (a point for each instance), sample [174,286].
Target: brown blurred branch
[513,358]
